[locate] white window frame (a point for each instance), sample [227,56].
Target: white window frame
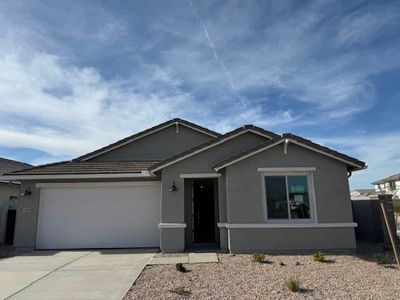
[309,173]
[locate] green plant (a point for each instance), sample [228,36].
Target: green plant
[180,291]
[180,267]
[258,257]
[293,285]
[319,256]
[383,258]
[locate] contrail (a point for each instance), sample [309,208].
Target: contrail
[216,56]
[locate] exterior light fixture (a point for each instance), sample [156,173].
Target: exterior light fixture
[173,188]
[27,192]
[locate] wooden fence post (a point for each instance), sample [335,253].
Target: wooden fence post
[383,199]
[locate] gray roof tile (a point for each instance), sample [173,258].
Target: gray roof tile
[88,167]
[9,165]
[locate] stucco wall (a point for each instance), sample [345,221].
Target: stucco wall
[173,203]
[26,222]
[246,203]
[159,145]
[332,193]
[6,190]
[290,239]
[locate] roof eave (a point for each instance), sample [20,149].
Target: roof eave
[142,174]
[352,165]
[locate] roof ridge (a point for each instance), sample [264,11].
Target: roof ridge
[211,142]
[146,131]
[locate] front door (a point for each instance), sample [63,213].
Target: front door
[203,211]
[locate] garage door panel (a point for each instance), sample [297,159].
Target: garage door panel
[99,217]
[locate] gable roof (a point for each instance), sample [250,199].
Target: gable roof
[72,169]
[353,163]
[395,177]
[9,165]
[210,144]
[144,133]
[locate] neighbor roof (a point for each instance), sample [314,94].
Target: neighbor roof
[144,133]
[210,144]
[9,165]
[87,167]
[352,162]
[395,177]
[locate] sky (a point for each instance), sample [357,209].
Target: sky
[78,75]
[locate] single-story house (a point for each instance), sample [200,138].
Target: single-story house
[363,194]
[9,191]
[179,185]
[389,185]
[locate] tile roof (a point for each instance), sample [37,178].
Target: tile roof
[325,150]
[8,165]
[395,177]
[143,133]
[213,142]
[87,167]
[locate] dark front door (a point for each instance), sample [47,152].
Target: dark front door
[203,211]
[11,215]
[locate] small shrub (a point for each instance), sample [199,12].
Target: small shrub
[298,264]
[180,291]
[257,257]
[319,256]
[282,264]
[293,285]
[180,267]
[383,258]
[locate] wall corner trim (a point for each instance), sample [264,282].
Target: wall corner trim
[171,225]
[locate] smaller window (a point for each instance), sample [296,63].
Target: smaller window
[287,197]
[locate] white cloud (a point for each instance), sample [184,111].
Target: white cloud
[56,97]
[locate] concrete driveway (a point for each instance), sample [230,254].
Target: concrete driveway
[100,274]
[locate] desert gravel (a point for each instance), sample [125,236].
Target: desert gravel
[343,276]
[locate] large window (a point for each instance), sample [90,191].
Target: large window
[287,197]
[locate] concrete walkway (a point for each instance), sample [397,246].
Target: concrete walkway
[191,258]
[58,275]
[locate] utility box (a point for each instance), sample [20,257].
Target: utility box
[369,218]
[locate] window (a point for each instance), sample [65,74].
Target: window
[287,197]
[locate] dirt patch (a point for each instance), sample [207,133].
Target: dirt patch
[342,276]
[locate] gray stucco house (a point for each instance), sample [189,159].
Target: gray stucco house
[179,185]
[9,191]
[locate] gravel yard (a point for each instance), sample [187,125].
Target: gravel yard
[342,276]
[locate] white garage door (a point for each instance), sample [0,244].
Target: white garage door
[110,215]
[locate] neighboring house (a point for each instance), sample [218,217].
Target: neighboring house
[8,199]
[363,194]
[389,185]
[178,185]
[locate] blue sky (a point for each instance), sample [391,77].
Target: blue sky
[77,75]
